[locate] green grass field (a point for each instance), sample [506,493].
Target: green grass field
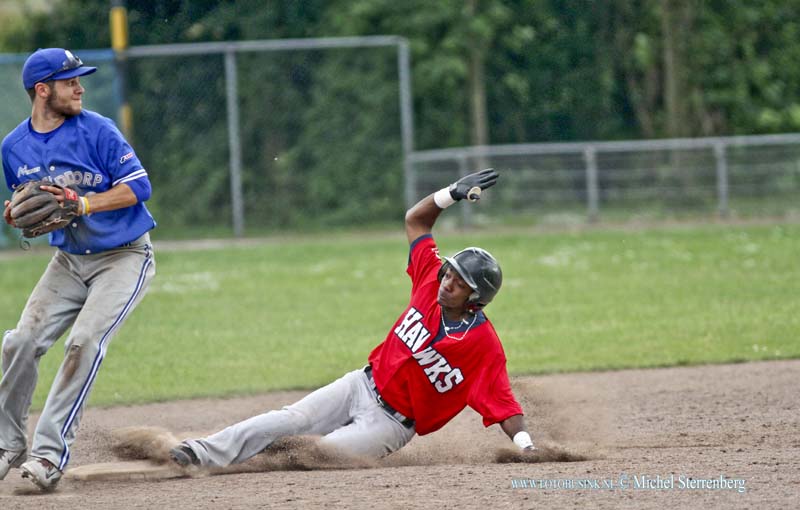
[298,312]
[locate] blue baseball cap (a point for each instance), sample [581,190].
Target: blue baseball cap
[52,64]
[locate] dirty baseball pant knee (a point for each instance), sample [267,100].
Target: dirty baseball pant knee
[345,412]
[51,308]
[92,294]
[116,282]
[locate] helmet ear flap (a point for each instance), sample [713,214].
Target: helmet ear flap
[474,307]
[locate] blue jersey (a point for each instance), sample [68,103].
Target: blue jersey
[89,153]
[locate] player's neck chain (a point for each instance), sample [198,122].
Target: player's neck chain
[448,335]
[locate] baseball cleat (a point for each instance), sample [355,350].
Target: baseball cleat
[184,456]
[9,459]
[42,473]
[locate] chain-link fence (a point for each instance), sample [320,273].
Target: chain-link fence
[262,135]
[272,134]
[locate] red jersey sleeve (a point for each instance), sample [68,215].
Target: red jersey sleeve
[491,396]
[423,261]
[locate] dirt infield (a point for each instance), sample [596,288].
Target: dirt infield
[671,436]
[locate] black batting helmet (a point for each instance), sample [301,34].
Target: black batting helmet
[481,272]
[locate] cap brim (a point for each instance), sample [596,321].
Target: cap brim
[72,73]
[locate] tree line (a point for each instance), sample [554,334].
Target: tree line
[483,72]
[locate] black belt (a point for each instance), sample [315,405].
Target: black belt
[391,411]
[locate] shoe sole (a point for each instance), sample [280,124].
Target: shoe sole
[181,459]
[16,464]
[46,488]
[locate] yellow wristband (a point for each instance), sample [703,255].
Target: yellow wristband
[85,205]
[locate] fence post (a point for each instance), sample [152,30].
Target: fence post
[592,194]
[406,120]
[722,179]
[234,142]
[463,169]
[118,17]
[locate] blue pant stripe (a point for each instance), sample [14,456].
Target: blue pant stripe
[96,364]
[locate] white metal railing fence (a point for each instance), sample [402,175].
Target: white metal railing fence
[677,174]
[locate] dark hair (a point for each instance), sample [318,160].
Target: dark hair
[32,91]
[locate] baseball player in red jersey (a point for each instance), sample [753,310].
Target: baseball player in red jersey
[441,355]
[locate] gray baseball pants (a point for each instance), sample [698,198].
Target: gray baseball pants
[345,412]
[93,294]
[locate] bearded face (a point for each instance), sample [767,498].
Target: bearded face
[65,97]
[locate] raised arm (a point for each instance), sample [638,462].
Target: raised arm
[422,216]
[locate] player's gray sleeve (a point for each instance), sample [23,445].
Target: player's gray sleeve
[345,412]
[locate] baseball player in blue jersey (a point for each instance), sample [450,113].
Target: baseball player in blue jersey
[99,273]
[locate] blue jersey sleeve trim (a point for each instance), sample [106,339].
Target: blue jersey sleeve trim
[139,185]
[414,243]
[131,176]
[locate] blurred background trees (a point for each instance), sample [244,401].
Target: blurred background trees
[495,71]
[483,71]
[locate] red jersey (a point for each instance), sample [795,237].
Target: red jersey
[429,376]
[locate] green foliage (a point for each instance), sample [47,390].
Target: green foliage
[556,69]
[752,81]
[182,163]
[346,155]
[441,35]
[299,312]
[321,129]
[78,24]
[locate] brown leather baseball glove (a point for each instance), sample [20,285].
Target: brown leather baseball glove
[37,211]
